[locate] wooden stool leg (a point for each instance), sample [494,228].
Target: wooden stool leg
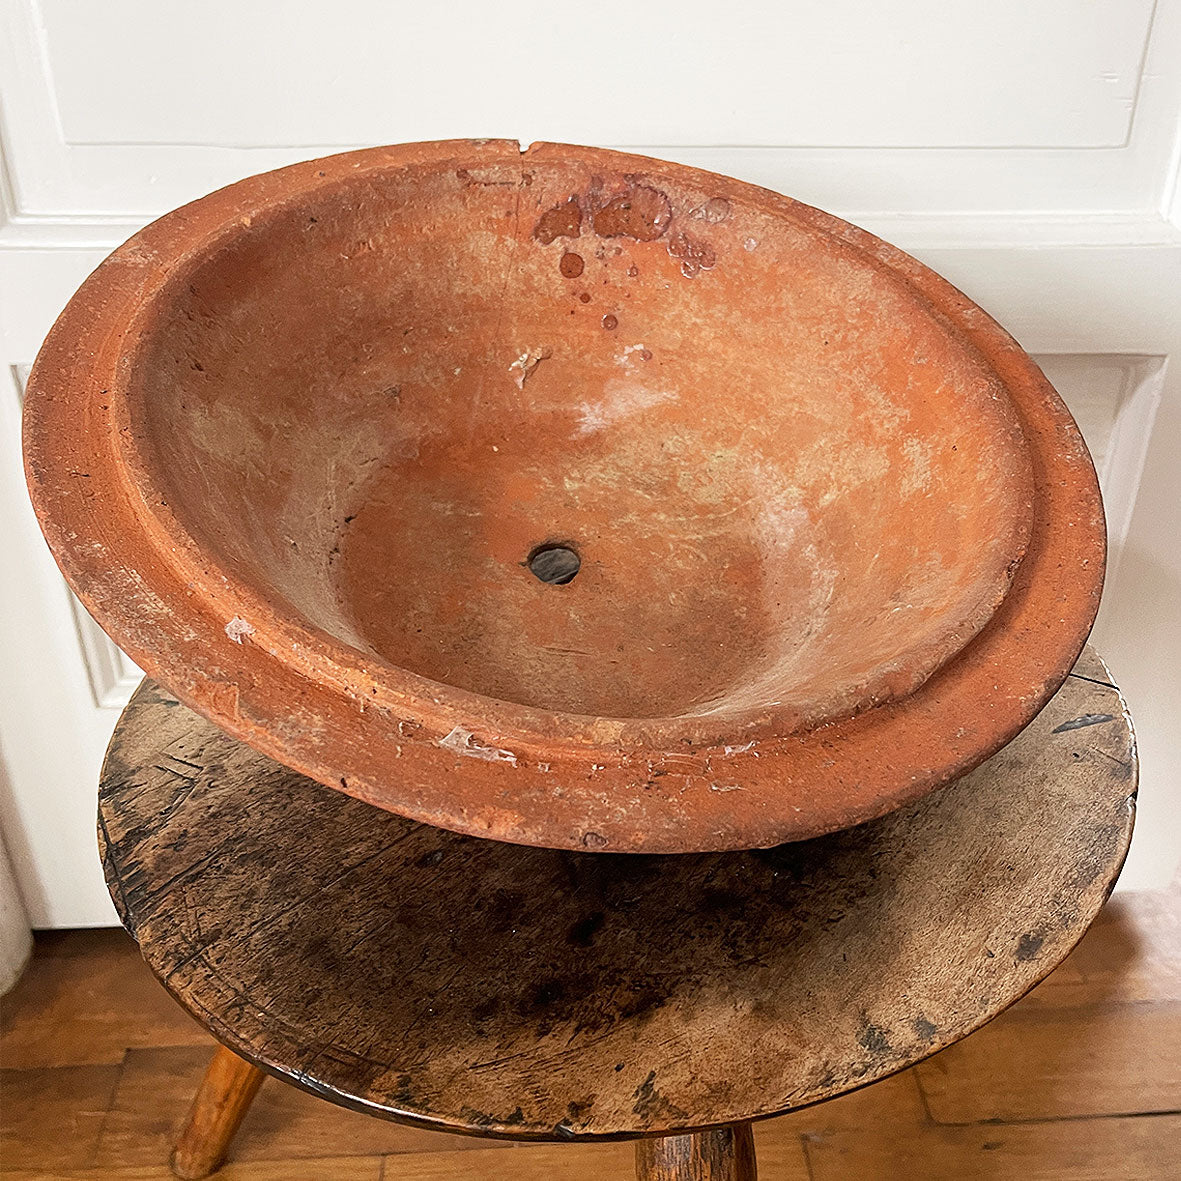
[220,1105]
[725,1154]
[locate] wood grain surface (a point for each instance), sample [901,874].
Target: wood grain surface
[509,991]
[721,1154]
[219,1107]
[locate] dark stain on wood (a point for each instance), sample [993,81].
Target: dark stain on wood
[874,1039]
[654,1107]
[1029,945]
[924,1028]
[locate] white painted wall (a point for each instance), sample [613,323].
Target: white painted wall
[1028,149]
[16,939]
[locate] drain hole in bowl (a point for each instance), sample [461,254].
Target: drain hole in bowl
[555,564]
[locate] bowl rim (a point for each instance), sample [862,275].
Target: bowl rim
[536,776]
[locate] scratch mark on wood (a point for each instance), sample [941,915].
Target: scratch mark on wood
[184,762]
[1107,755]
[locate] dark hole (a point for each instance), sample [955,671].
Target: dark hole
[556,564]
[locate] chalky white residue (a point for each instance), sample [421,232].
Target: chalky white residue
[725,787]
[237,628]
[624,398]
[626,356]
[736,750]
[522,368]
[464,743]
[520,365]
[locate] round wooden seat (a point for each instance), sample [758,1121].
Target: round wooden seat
[501,990]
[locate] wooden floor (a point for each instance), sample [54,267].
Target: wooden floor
[1081,1079]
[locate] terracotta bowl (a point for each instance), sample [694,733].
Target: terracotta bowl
[567,497]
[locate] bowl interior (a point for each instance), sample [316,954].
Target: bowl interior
[396,407]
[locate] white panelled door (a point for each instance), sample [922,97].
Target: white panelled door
[1028,151]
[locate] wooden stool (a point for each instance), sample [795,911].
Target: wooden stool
[468,985]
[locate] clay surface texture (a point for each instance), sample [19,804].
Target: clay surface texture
[566,496]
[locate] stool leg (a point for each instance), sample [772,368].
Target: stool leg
[220,1105]
[724,1154]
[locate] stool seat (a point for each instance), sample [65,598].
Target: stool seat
[469,985]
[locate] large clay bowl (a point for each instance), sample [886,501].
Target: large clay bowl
[299,445]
